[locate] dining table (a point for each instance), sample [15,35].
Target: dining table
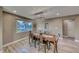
[46,38]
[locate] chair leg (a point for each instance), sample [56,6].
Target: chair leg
[54,49]
[35,43]
[39,45]
[32,43]
[32,40]
[29,40]
[45,48]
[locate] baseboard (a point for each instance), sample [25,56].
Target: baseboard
[14,42]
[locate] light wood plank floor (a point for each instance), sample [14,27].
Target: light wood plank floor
[64,46]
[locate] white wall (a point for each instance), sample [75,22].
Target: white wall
[9,29]
[1,28]
[70,29]
[77,28]
[54,25]
[40,25]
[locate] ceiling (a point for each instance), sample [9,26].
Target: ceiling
[35,12]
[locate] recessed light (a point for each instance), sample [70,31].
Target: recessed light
[14,11]
[57,14]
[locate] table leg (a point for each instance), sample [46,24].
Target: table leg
[56,48]
[48,45]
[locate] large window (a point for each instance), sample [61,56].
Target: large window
[28,26]
[23,26]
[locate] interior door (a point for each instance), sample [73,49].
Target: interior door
[69,28]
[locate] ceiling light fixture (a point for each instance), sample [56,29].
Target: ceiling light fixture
[57,14]
[14,11]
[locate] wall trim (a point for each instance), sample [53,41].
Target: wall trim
[14,42]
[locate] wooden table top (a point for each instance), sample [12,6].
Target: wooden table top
[45,37]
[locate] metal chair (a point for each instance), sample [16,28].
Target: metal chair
[57,37]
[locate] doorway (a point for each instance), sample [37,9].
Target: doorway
[68,28]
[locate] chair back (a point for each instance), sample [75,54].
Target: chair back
[57,37]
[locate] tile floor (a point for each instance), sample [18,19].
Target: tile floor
[64,46]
